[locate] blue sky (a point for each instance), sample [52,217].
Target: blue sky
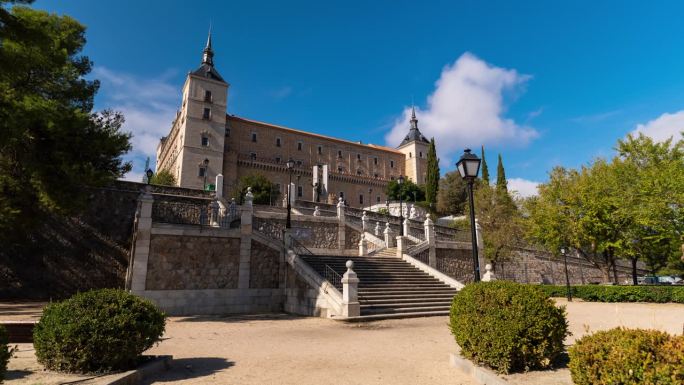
[544,83]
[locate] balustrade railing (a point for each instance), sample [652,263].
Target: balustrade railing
[450,234]
[182,213]
[268,228]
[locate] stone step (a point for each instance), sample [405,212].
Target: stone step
[386,297]
[378,317]
[395,310]
[405,302]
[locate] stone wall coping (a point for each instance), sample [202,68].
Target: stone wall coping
[194,230]
[433,272]
[480,374]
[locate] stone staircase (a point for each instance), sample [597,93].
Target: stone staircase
[390,287]
[386,252]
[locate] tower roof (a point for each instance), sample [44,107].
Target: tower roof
[414,133]
[207,69]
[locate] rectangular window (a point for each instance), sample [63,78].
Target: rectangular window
[207,96]
[252,155]
[361,199]
[339,153]
[254,138]
[298,163]
[299,146]
[205,141]
[227,132]
[277,159]
[375,160]
[300,191]
[358,156]
[278,187]
[375,175]
[421,154]
[320,150]
[206,115]
[202,171]
[277,142]
[342,194]
[377,199]
[391,164]
[339,169]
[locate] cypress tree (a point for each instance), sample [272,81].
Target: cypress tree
[432,174]
[501,183]
[485,169]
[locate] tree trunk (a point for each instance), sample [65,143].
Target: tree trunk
[634,272]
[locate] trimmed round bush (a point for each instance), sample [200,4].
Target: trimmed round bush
[5,351]
[97,331]
[508,326]
[628,356]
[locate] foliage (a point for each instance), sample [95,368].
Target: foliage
[500,222]
[383,211]
[409,191]
[627,356]
[485,169]
[507,326]
[432,175]
[6,352]
[52,142]
[453,195]
[602,293]
[96,331]
[163,178]
[501,182]
[263,190]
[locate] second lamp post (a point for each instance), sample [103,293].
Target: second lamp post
[290,167]
[468,166]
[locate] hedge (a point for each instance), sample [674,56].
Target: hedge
[628,356]
[601,293]
[508,326]
[5,352]
[97,331]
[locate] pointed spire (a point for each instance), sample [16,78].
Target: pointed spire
[208,53]
[414,120]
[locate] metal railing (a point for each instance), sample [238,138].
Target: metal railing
[333,277]
[450,234]
[299,248]
[423,256]
[417,232]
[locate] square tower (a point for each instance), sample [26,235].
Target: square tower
[415,147]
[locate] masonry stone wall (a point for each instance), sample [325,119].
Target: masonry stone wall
[192,262]
[456,263]
[351,238]
[264,267]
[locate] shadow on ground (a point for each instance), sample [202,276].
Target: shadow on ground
[188,368]
[16,374]
[237,318]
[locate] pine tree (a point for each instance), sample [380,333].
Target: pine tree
[432,175]
[485,169]
[501,183]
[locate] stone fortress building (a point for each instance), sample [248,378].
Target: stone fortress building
[325,167]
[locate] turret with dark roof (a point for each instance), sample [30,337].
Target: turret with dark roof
[414,133]
[207,69]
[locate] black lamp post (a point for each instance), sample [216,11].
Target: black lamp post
[290,168]
[469,166]
[370,197]
[149,173]
[206,171]
[387,208]
[568,292]
[401,209]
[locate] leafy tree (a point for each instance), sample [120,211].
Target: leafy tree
[52,143]
[263,190]
[452,196]
[432,177]
[501,182]
[485,169]
[409,191]
[163,178]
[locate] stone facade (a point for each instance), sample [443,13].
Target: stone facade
[192,263]
[237,146]
[264,267]
[352,238]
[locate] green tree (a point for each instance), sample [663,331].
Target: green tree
[163,178]
[485,169]
[409,191]
[501,182]
[52,143]
[452,196]
[263,190]
[432,176]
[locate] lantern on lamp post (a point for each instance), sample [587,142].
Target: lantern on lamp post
[469,166]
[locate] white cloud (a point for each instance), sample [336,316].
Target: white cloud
[523,187]
[663,127]
[467,109]
[149,106]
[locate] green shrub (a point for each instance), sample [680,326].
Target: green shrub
[5,351]
[96,331]
[600,293]
[627,356]
[508,326]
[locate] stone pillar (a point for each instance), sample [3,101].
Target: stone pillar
[141,252]
[214,213]
[401,246]
[429,227]
[389,236]
[341,232]
[219,186]
[245,240]
[406,226]
[364,222]
[489,274]
[363,245]
[377,229]
[350,292]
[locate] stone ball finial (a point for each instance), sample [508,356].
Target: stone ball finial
[349,264]
[488,267]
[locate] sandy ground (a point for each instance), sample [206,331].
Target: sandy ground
[283,349]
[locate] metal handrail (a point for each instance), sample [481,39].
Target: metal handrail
[298,248]
[333,277]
